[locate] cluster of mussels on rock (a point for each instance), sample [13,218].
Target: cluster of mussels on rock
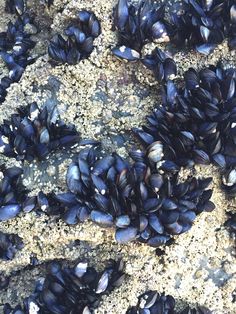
[9,244]
[15,45]
[16,42]
[137,199]
[12,192]
[34,133]
[20,6]
[72,290]
[78,43]
[190,134]
[231,223]
[196,123]
[143,198]
[79,290]
[152,302]
[200,25]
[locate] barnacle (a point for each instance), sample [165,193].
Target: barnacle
[75,289]
[78,44]
[9,245]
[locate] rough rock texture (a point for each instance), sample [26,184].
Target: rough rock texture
[104,98]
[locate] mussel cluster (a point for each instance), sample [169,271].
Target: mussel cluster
[196,123]
[75,290]
[48,2]
[34,133]
[151,302]
[161,64]
[79,289]
[142,202]
[138,200]
[197,310]
[143,199]
[232,24]
[20,6]
[136,26]
[12,193]
[78,44]
[4,281]
[9,245]
[200,24]
[15,45]
[15,6]
[16,42]
[231,223]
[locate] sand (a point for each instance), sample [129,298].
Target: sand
[105,98]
